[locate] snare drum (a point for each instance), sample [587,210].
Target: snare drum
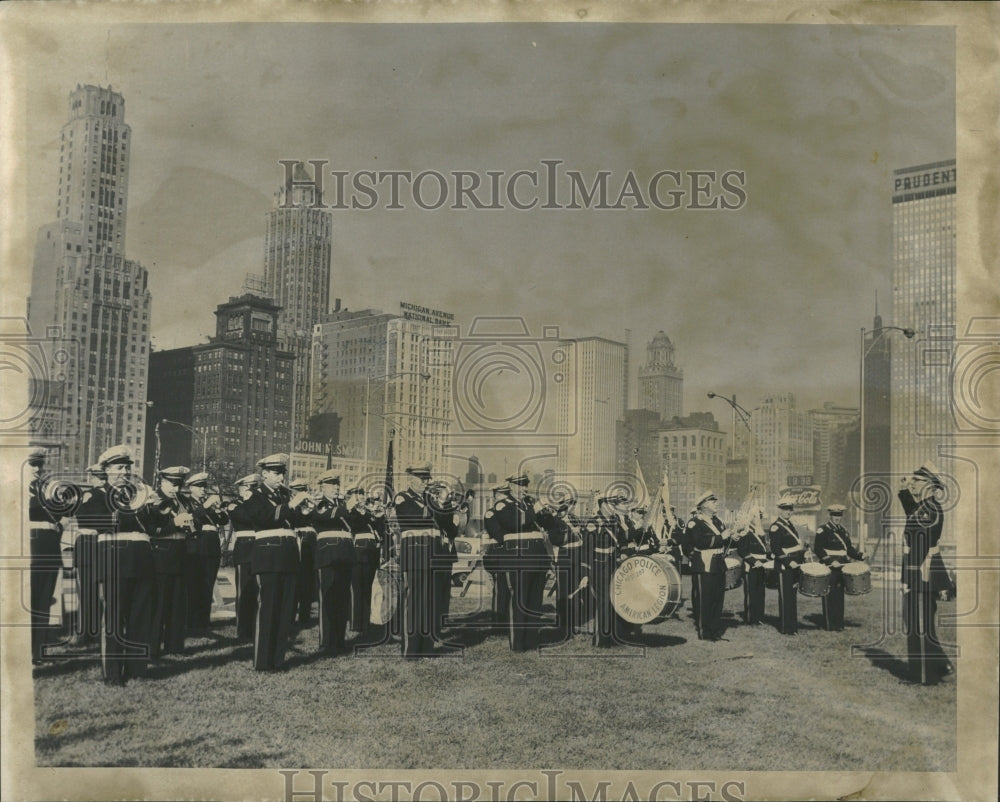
[385,594]
[646,589]
[857,579]
[816,580]
[734,572]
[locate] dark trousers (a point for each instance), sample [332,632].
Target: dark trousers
[711,596]
[126,634]
[927,660]
[441,601]
[362,579]
[571,610]
[305,582]
[527,568]
[334,606]
[169,614]
[788,598]
[46,563]
[695,606]
[202,571]
[246,599]
[833,602]
[87,623]
[418,595]
[606,626]
[753,595]
[275,612]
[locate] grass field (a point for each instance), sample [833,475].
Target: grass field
[754,701]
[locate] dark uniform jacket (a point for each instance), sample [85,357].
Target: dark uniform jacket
[413,511]
[366,547]
[168,551]
[753,548]
[786,545]
[332,516]
[832,544]
[38,510]
[707,544]
[268,509]
[603,539]
[239,517]
[924,523]
[207,523]
[109,511]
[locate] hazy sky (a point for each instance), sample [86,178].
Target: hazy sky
[769,297]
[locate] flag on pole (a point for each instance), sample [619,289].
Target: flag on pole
[388,490]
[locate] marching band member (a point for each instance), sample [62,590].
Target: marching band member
[243,538]
[204,551]
[603,540]
[527,560]
[416,545]
[169,530]
[125,568]
[87,622]
[273,511]
[789,554]
[334,559]
[369,525]
[495,563]
[708,566]
[46,554]
[928,662]
[753,548]
[305,582]
[832,546]
[445,509]
[564,531]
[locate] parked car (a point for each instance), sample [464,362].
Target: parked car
[469,552]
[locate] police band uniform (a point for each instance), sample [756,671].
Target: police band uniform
[445,510]
[305,580]
[335,559]
[753,549]
[368,526]
[604,537]
[832,547]
[125,569]
[495,564]
[243,539]
[923,575]
[45,530]
[708,566]
[789,554]
[274,561]
[527,558]
[418,530]
[565,532]
[87,622]
[204,550]
[169,529]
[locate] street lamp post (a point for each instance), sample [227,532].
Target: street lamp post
[877,334]
[368,390]
[744,417]
[204,439]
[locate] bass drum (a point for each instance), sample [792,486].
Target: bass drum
[385,593]
[646,589]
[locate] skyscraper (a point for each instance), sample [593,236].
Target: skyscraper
[782,446]
[384,375]
[923,278]
[85,290]
[661,382]
[599,379]
[694,451]
[297,250]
